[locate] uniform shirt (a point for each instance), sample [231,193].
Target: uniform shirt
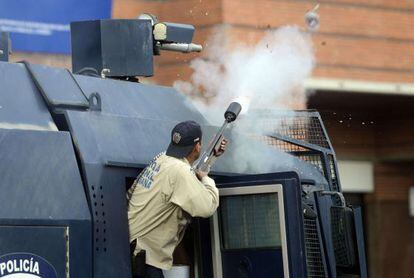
[160,202]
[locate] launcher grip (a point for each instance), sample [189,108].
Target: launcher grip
[207,158]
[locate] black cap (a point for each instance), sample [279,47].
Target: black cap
[184,136]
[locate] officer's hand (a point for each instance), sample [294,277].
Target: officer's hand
[201,174]
[221,149]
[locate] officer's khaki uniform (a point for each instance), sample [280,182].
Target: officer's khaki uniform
[159,201]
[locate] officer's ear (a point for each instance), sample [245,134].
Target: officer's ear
[197,147]
[195,150]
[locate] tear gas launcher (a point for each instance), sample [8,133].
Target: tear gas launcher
[207,158]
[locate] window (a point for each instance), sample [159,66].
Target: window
[250,221]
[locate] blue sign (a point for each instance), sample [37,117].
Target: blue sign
[43,25]
[25,265]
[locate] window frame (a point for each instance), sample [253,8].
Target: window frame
[248,190]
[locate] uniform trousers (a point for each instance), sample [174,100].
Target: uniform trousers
[153,272]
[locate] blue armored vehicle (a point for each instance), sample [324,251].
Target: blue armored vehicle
[72,143]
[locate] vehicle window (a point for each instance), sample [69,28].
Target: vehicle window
[250,221]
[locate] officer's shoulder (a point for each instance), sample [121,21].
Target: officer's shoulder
[179,165]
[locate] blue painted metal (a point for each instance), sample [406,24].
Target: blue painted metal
[253,263]
[45,79]
[294,224]
[71,163]
[40,174]
[22,107]
[323,204]
[104,147]
[41,187]
[52,248]
[137,100]
[359,238]
[106,189]
[123,47]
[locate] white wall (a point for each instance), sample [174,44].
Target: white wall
[356,176]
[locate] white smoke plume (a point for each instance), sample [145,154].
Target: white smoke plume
[268,75]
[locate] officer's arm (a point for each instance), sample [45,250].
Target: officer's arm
[195,197]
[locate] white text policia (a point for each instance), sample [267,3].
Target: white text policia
[19,265]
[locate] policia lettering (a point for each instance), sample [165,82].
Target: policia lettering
[26,265]
[146,177]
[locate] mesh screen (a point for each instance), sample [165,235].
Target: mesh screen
[250,221]
[304,128]
[334,184]
[282,145]
[300,125]
[302,153]
[314,261]
[332,167]
[342,236]
[314,159]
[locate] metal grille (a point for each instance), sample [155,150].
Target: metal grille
[314,261]
[334,184]
[282,145]
[332,167]
[306,129]
[300,125]
[334,176]
[314,159]
[341,236]
[298,151]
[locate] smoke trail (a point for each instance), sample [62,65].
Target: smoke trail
[268,75]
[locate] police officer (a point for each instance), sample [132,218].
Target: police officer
[166,194]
